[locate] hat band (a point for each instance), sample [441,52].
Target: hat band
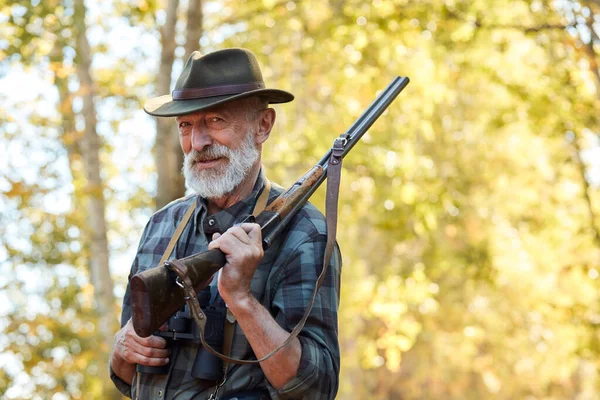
[198,93]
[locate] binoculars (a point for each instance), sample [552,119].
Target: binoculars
[182,328]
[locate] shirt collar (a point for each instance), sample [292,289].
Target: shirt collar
[226,218]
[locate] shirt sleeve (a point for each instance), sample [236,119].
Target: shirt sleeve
[121,385]
[318,372]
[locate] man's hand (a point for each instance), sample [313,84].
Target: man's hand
[242,246]
[130,349]
[243,250]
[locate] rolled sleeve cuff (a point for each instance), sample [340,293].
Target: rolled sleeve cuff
[304,381]
[123,386]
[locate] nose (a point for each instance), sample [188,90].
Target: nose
[200,137]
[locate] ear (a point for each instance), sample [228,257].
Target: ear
[265,124]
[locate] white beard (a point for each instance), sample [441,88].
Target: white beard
[217,182]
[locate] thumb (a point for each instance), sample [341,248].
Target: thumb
[213,244]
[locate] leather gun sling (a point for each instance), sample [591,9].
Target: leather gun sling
[334,168]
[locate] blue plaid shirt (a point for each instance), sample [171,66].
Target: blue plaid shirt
[283,283]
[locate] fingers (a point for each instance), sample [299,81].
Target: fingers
[242,246]
[140,354]
[254,233]
[238,246]
[240,234]
[146,351]
[215,243]
[150,341]
[245,233]
[137,350]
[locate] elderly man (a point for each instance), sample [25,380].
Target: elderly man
[222,111]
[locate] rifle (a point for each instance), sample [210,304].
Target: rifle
[156,294]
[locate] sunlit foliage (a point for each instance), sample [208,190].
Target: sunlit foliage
[468,215]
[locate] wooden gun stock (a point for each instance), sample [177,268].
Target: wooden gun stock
[156,295]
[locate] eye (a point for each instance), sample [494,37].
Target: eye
[215,122]
[184,124]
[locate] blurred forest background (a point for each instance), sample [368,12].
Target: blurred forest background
[469,214]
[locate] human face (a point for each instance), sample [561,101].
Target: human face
[221,179]
[220,149]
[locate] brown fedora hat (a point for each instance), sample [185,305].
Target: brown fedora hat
[212,79]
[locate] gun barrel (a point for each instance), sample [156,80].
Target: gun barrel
[354,133]
[371,114]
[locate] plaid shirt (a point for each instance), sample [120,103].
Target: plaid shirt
[283,283]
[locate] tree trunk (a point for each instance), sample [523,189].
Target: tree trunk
[167,152]
[590,51]
[194,30]
[194,27]
[591,56]
[90,147]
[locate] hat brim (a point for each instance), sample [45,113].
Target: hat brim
[165,106]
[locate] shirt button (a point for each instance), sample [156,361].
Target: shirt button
[211,222]
[160,393]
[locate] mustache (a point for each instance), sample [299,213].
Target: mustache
[212,152]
